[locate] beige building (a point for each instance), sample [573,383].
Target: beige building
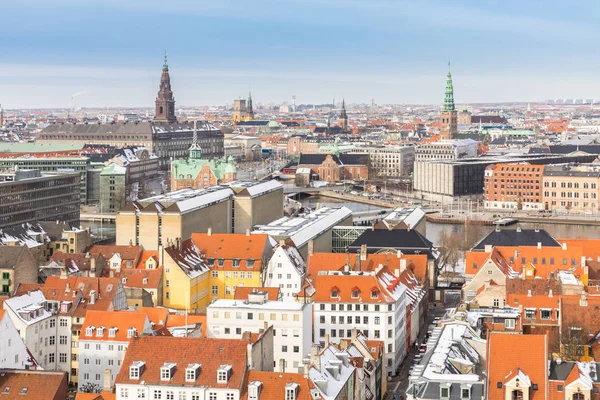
[234,208]
[571,187]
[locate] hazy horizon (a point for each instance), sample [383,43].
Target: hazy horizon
[109,52]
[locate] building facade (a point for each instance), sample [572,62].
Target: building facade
[446,150]
[28,196]
[242,109]
[389,161]
[571,188]
[513,186]
[291,321]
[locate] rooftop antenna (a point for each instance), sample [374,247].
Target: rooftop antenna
[293,103]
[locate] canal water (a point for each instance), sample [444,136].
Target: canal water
[434,230]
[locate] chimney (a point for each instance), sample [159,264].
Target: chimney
[358,260]
[130,242]
[488,248]
[92,297]
[583,265]
[353,334]
[63,273]
[311,247]
[564,246]
[247,232]
[402,265]
[209,233]
[111,273]
[161,251]
[108,381]
[539,245]
[550,293]
[326,339]
[528,292]
[373,227]
[246,335]
[363,252]
[315,359]
[347,265]
[399,254]
[67,287]
[93,267]
[282,365]
[282,242]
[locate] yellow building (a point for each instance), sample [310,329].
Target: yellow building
[210,266]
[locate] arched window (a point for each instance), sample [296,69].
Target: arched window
[578,396]
[160,110]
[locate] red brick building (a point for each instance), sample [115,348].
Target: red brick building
[513,186]
[333,167]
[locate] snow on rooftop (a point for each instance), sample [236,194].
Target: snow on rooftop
[190,199]
[29,303]
[257,188]
[410,216]
[303,229]
[567,278]
[267,305]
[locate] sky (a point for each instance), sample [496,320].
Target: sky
[97,53]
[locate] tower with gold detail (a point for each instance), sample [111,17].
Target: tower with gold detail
[448,117]
[242,109]
[165,102]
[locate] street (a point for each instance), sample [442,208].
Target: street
[398,384]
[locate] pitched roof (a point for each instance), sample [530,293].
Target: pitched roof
[409,241]
[379,286]
[242,292]
[211,354]
[122,320]
[273,385]
[230,246]
[32,384]
[126,252]
[96,396]
[188,257]
[10,255]
[529,353]
[517,237]
[140,278]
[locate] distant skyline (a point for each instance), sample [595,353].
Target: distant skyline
[94,53]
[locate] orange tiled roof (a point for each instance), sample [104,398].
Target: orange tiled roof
[158,315]
[527,352]
[132,253]
[336,262]
[210,353]
[146,254]
[122,320]
[242,292]
[383,284]
[231,246]
[96,396]
[135,277]
[273,385]
[39,384]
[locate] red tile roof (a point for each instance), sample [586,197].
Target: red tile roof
[122,320]
[529,353]
[242,292]
[35,385]
[96,396]
[210,353]
[273,385]
[230,246]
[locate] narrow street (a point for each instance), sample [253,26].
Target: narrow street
[398,384]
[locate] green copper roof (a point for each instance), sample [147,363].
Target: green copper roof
[165,65]
[192,167]
[449,98]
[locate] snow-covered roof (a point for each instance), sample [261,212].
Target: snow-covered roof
[189,199]
[256,188]
[30,304]
[567,278]
[303,229]
[410,216]
[335,371]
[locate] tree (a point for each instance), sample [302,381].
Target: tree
[450,246]
[90,388]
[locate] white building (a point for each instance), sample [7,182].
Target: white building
[291,321]
[374,302]
[389,161]
[286,270]
[169,368]
[13,353]
[105,336]
[37,327]
[447,150]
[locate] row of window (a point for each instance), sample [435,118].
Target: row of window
[250,316]
[575,185]
[357,320]
[357,307]
[571,194]
[169,394]
[341,333]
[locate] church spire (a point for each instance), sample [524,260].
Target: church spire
[343,122]
[449,98]
[165,102]
[195,150]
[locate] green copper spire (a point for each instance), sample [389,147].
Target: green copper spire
[449,99]
[165,65]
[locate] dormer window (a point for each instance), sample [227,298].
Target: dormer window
[100,331]
[291,391]
[223,373]
[112,332]
[131,332]
[210,262]
[135,370]
[355,293]
[191,372]
[445,391]
[89,331]
[335,292]
[166,371]
[236,262]
[145,281]
[254,389]
[249,263]
[221,262]
[374,293]
[124,281]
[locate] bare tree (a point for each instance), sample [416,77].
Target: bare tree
[90,388]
